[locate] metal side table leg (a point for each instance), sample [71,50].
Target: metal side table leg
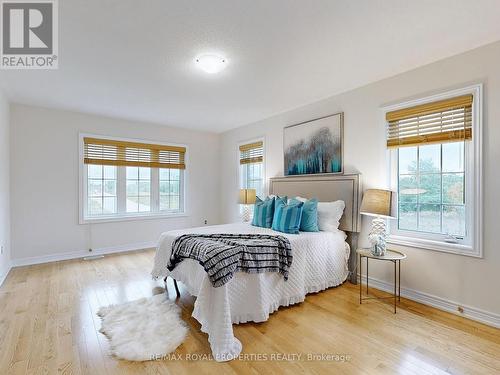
[399,281]
[367,275]
[360,280]
[395,285]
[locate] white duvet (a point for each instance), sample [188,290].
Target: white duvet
[319,262]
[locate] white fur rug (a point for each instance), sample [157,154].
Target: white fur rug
[138,330]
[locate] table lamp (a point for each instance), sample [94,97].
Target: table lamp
[378,203]
[247,197]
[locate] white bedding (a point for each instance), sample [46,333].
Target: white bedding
[319,262]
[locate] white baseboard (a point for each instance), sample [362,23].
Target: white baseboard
[81,254]
[470,312]
[4,272]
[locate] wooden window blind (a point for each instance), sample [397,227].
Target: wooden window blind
[438,122]
[252,153]
[132,154]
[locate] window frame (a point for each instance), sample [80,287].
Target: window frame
[239,174]
[471,245]
[122,215]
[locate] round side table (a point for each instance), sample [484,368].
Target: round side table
[390,256]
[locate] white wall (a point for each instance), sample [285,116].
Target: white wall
[45,187]
[4,188]
[468,281]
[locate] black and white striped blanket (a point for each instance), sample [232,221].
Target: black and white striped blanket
[221,255]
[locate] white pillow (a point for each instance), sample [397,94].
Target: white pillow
[329,214]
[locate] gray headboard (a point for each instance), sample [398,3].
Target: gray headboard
[328,188]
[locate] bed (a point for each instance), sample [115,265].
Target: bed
[320,260]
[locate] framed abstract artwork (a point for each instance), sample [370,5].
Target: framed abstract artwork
[314,146]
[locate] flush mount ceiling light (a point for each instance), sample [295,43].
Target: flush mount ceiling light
[211,64]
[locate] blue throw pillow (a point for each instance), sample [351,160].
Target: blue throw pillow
[287,217]
[309,220]
[278,202]
[263,212]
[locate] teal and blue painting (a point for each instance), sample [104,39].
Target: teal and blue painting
[314,147]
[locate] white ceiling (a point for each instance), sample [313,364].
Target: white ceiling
[134,59]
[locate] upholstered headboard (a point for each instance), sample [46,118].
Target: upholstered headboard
[328,188]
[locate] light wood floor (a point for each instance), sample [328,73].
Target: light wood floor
[48,325]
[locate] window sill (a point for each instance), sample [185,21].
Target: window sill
[444,247]
[138,217]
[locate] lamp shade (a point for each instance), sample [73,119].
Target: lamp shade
[247,196]
[378,202]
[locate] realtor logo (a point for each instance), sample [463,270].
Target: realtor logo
[29,34]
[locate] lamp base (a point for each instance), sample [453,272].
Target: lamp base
[246,213]
[379,227]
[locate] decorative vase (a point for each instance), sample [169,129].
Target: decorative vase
[378,244]
[378,250]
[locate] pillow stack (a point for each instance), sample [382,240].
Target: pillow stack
[297,214]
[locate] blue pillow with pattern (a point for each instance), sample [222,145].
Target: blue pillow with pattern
[309,220]
[263,212]
[287,217]
[280,201]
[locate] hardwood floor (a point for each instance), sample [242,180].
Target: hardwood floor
[48,324]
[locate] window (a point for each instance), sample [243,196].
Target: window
[138,189]
[431,189]
[125,179]
[170,189]
[101,188]
[436,169]
[252,167]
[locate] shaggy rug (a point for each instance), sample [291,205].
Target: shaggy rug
[138,330]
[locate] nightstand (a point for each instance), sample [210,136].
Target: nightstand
[390,256]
